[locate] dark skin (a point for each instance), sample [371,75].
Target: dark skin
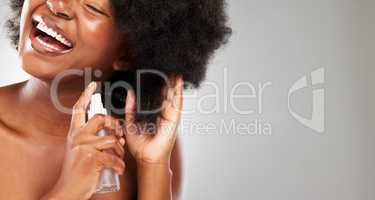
[55,155]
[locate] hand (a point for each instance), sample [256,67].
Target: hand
[149,148]
[84,156]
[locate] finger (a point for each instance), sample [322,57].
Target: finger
[130,112]
[108,160]
[130,107]
[100,121]
[172,105]
[108,143]
[171,113]
[81,137]
[130,127]
[79,108]
[178,94]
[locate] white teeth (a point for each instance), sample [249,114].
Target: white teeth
[58,37]
[43,27]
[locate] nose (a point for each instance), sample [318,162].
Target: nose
[61,8]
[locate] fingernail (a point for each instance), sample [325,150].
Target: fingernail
[131,93]
[122,141]
[92,84]
[127,94]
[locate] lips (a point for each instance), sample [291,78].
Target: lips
[46,37]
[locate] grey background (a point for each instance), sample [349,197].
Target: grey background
[281,41]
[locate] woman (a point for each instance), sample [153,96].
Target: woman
[50,154]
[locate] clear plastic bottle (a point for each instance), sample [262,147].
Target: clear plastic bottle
[109,179]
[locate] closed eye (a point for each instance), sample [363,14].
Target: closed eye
[93,8]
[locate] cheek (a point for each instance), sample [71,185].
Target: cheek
[99,41]
[98,35]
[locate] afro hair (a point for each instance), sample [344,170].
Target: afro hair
[170,36]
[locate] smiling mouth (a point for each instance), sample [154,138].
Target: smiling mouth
[45,39]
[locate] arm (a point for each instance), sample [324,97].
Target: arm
[154,182]
[161,182]
[155,154]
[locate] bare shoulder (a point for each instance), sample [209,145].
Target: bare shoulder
[8,93]
[6,89]
[8,99]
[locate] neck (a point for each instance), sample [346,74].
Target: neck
[47,112]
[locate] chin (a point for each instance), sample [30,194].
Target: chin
[39,71]
[40,67]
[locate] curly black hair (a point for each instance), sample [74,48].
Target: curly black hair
[171,36]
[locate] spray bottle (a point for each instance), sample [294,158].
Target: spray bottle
[109,179]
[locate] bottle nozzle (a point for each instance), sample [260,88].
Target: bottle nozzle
[96,106]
